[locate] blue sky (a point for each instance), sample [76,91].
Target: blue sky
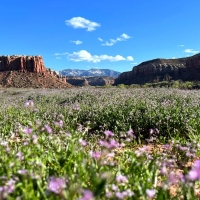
[85,34]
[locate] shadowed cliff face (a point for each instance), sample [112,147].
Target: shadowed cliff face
[22,63]
[90,81]
[186,69]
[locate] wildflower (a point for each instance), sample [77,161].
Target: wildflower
[119,195]
[35,139]
[193,175]
[121,179]
[48,128]
[95,155]
[87,195]
[20,155]
[27,130]
[108,134]
[151,131]
[8,188]
[128,193]
[172,178]
[150,193]
[82,142]
[56,185]
[196,164]
[114,187]
[130,134]
[59,123]
[112,144]
[29,103]
[163,170]
[22,172]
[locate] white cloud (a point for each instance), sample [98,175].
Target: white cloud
[100,39]
[181,45]
[130,58]
[58,57]
[84,55]
[77,42]
[108,43]
[122,37]
[125,36]
[134,63]
[60,54]
[173,57]
[80,22]
[191,51]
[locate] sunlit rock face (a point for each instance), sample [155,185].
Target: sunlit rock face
[22,63]
[186,69]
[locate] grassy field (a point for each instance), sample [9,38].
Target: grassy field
[97,143]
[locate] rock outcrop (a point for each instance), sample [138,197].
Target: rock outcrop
[186,69]
[90,81]
[29,72]
[22,63]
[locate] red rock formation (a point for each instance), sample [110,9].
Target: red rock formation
[186,69]
[22,63]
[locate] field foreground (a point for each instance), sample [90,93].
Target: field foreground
[95,143]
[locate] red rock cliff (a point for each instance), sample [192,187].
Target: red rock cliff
[22,63]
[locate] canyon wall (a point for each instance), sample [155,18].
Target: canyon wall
[22,63]
[186,69]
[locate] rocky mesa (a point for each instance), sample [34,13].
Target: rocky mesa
[186,69]
[22,63]
[28,71]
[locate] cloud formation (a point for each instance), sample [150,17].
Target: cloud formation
[192,51]
[84,55]
[122,37]
[77,42]
[181,45]
[80,22]
[100,39]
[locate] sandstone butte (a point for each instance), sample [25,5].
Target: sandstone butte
[28,71]
[185,69]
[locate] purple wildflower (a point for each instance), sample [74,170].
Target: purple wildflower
[119,195]
[121,179]
[196,164]
[114,187]
[56,185]
[48,128]
[112,144]
[108,134]
[96,155]
[130,134]
[35,139]
[151,131]
[27,130]
[82,142]
[29,103]
[20,155]
[87,195]
[194,173]
[150,193]
[22,172]
[8,188]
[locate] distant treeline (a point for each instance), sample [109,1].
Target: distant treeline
[165,84]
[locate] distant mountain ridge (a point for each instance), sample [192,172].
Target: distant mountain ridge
[90,72]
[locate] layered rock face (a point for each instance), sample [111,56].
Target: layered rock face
[186,69]
[90,81]
[29,72]
[22,63]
